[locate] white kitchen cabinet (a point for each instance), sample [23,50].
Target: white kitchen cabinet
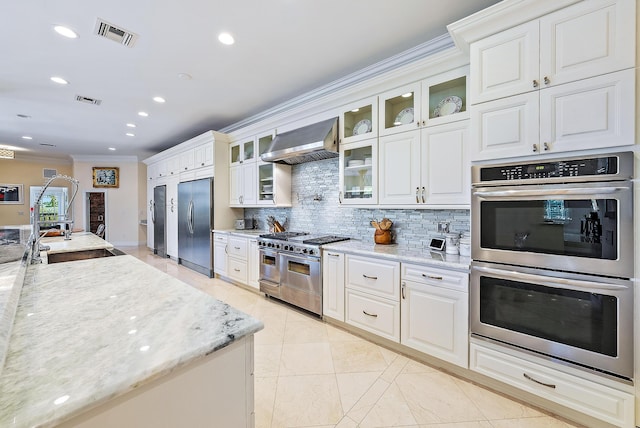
[263,142]
[220,241]
[237,254]
[173,166]
[399,109]
[435,312]
[359,121]
[243,185]
[273,185]
[579,393]
[588,114]
[187,160]
[333,285]
[428,167]
[203,155]
[150,222]
[253,264]
[581,41]
[372,292]
[242,152]
[358,166]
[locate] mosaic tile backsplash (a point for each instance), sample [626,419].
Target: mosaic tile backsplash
[316,209]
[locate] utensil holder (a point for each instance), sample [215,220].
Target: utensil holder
[382,237]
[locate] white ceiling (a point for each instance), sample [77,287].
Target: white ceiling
[283,48]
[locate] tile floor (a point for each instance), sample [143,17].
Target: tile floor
[311,374]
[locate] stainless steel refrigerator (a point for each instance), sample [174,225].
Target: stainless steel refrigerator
[159,221]
[195,218]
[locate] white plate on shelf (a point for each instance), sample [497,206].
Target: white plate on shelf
[362,127]
[355,162]
[448,106]
[404,117]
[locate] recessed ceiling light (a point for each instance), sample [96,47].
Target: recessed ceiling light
[226,39]
[129,134]
[59,80]
[112,149]
[131,125]
[184,76]
[26,137]
[407,95]
[65,31]
[159,100]
[355,110]
[143,114]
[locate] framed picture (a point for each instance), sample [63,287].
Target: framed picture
[11,194]
[106,176]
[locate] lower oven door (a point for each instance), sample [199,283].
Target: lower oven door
[582,319]
[270,272]
[301,281]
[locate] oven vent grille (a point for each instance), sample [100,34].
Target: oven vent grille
[111,32]
[48,172]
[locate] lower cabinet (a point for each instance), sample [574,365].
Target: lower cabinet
[586,396]
[374,314]
[220,241]
[333,285]
[237,258]
[435,312]
[253,264]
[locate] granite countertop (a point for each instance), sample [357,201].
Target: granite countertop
[87,331]
[401,254]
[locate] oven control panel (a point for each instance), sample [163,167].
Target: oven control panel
[554,169]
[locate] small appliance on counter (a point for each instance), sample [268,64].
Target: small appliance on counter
[245,224]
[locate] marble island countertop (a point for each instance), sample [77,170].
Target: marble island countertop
[90,330]
[79,241]
[402,254]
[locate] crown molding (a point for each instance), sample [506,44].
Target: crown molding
[93,158]
[366,74]
[52,160]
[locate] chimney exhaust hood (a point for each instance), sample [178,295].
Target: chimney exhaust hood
[309,143]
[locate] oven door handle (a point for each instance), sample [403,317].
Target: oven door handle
[550,281]
[551,192]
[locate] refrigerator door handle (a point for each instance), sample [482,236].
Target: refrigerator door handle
[153,211]
[190,217]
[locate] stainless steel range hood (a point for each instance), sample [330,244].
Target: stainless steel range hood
[310,143]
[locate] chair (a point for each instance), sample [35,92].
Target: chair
[100,231]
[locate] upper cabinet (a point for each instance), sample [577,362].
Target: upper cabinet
[359,121]
[580,41]
[400,109]
[563,82]
[264,141]
[358,166]
[243,151]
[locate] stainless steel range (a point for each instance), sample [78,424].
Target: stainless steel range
[291,267]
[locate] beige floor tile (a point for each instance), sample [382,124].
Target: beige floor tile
[336,334]
[303,401]
[352,386]
[540,422]
[265,395]
[390,410]
[368,400]
[267,359]
[495,406]
[273,331]
[435,397]
[305,359]
[305,331]
[355,357]
[394,368]
[413,366]
[473,424]
[347,422]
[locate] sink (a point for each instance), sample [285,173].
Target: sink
[82,255]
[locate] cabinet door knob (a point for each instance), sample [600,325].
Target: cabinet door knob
[535,148]
[545,146]
[417,124]
[546,80]
[535,83]
[424,201]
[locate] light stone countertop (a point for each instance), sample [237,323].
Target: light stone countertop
[248,233]
[87,331]
[79,241]
[401,254]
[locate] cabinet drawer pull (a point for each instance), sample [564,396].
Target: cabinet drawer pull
[236,269]
[370,315]
[333,255]
[237,248]
[548,385]
[370,277]
[404,285]
[439,278]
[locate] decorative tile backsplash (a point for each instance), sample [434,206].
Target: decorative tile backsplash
[316,209]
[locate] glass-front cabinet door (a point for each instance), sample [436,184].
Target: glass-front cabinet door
[445,97]
[400,109]
[242,151]
[359,173]
[265,183]
[359,121]
[264,142]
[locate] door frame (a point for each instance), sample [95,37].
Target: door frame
[85,210]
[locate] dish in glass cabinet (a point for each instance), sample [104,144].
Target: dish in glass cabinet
[448,106]
[404,117]
[362,127]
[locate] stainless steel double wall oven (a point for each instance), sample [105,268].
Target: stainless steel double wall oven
[553,258]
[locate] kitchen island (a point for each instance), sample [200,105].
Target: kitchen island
[114,342]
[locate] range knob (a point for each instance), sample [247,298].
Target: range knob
[304,251]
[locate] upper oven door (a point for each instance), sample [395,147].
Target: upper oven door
[590,225]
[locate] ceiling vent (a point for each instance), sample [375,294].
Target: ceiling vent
[88,100]
[48,172]
[111,32]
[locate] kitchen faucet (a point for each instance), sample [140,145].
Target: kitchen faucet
[35,237]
